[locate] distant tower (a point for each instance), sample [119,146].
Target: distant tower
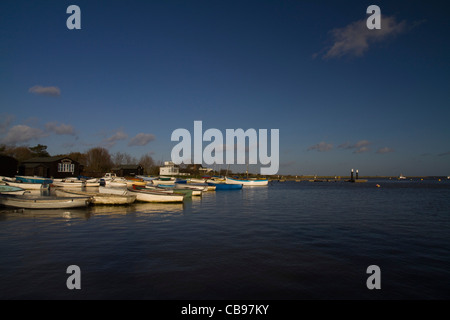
[356,174]
[351,176]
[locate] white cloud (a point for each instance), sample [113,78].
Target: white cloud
[111,141]
[23,133]
[355,38]
[385,150]
[141,139]
[359,147]
[60,129]
[46,91]
[322,146]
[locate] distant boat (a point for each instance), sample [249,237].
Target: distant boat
[145,195]
[195,190]
[401,177]
[111,180]
[28,186]
[98,198]
[225,186]
[172,189]
[42,202]
[146,178]
[164,181]
[68,183]
[33,179]
[249,182]
[12,190]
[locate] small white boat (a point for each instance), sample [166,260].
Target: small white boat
[68,183]
[145,195]
[249,182]
[98,198]
[164,181]
[196,190]
[112,180]
[202,184]
[401,177]
[42,202]
[28,186]
[196,180]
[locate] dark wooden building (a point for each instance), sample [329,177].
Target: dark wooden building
[128,170]
[8,166]
[50,167]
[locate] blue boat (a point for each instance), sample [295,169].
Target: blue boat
[225,186]
[34,179]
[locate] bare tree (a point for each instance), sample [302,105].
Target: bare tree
[147,163]
[98,160]
[120,158]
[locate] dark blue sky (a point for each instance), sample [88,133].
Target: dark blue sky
[341,95]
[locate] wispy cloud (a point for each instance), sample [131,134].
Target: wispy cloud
[355,38]
[444,154]
[60,129]
[359,147]
[322,146]
[385,150]
[23,133]
[46,91]
[112,140]
[141,139]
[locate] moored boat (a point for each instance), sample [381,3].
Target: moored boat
[171,189]
[68,183]
[42,202]
[226,186]
[28,186]
[248,182]
[164,181]
[98,198]
[33,179]
[145,195]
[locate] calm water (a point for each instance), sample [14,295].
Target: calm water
[291,240]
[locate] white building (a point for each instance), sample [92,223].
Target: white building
[169,169]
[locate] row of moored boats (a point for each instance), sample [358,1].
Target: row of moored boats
[109,190]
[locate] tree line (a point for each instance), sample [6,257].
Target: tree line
[96,159]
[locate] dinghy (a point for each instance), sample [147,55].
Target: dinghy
[98,198]
[28,186]
[42,202]
[249,182]
[145,195]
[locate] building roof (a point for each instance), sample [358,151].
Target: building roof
[127,166]
[46,159]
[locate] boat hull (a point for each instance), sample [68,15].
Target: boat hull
[146,195]
[99,198]
[43,202]
[27,186]
[264,182]
[226,186]
[32,179]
